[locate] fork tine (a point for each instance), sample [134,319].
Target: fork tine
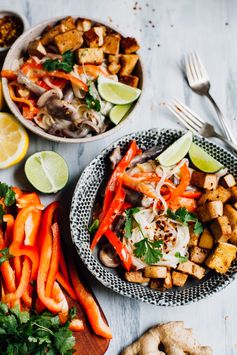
[196,64]
[181,117]
[191,67]
[189,113]
[200,66]
[188,70]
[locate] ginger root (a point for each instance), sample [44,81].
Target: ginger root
[176,340]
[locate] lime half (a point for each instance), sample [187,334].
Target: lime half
[47,171]
[118,112]
[202,160]
[117,93]
[176,151]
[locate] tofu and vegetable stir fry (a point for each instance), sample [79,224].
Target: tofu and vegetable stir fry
[165,224]
[56,83]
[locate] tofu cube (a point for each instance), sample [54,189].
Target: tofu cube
[168,280]
[206,240]
[112,43]
[205,181]
[156,284]
[219,194]
[155,272]
[192,269]
[128,63]
[179,278]
[36,48]
[193,240]
[49,35]
[83,25]
[90,56]
[114,68]
[233,237]
[100,31]
[222,257]
[198,255]
[69,40]
[113,58]
[210,210]
[67,24]
[136,276]
[227,181]
[130,80]
[129,45]
[235,205]
[233,192]
[221,229]
[94,37]
[231,213]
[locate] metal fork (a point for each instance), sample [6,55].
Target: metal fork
[194,123]
[199,82]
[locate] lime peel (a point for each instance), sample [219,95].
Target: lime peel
[203,161]
[118,112]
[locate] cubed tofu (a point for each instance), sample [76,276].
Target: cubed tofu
[192,269]
[83,25]
[69,40]
[129,45]
[233,191]
[193,240]
[136,276]
[206,240]
[130,80]
[48,36]
[221,229]
[112,43]
[168,280]
[156,284]
[90,56]
[205,181]
[219,194]
[227,181]
[36,48]
[231,213]
[67,24]
[210,210]
[100,31]
[222,257]
[155,272]
[198,255]
[179,278]
[113,58]
[91,38]
[235,205]
[128,63]
[114,68]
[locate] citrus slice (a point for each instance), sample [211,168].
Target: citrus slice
[176,151]
[47,171]
[203,161]
[118,112]
[14,141]
[117,93]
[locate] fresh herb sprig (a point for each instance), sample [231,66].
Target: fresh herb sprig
[8,194]
[91,101]
[182,259]
[5,255]
[29,333]
[94,226]
[150,251]
[66,63]
[129,218]
[184,216]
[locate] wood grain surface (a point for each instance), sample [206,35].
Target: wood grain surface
[166,30]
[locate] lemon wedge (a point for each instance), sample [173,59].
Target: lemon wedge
[14,141]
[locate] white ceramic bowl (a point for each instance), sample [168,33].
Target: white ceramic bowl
[16,52]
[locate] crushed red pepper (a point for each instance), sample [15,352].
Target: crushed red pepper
[11,27]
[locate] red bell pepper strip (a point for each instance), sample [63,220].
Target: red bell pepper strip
[54,260]
[27,296]
[59,297]
[76,325]
[9,74]
[92,70]
[118,171]
[113,211]
[184,182]
[66,285]
[189,203]
[9,220]
[191,194]
[7,272]
[63,266]
[120,249]
[89,305]
[31,252]
[137,185]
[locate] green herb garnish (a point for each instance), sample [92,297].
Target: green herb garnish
[184,216]
[129,218]
[66,63]
[182,259]
[5,255]
[93,227]
[8,194]
[91,101]
[151,251]
[29,333]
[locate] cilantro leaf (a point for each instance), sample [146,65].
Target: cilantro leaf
[182,259]
[64,340]
[91,101]
[198,228]
[128,223]
[66,63]
[8,194]
[5,255]
[184,216]
[150,251]
[93,227]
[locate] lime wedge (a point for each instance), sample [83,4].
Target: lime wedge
[117,93]
[176,151]
[202,160]
[47,171]
[118,112]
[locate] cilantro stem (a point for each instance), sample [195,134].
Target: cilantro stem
[43,328]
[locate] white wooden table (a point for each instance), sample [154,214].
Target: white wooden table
[166,29]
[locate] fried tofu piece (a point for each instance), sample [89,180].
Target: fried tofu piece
[193,240]
[235,205]
[67,24]
[128,63]
[222,257]
[156,284]
[114,68]
[94,37]
[136,276]
[210,210]
[130,80]
[231,213]
[205,181]
[179,278]
[101,32]
[155,272]
[219,194]
[69,40]
[36,48]
[227,181]
[112,44]
[221,229]
[168,280]
[90,55]
[198,255]
[233,192]
[192,269]
[129,45]
[83,25]
[113,58]
[206,240]
[48,36]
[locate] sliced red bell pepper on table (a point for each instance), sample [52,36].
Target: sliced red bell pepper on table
[53,269]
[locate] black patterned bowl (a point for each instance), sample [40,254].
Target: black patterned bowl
[80,217]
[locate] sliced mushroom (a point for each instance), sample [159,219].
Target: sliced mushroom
[51,94]
[115,157]
[108,257]
[148,154]
[62,110]
[23,79]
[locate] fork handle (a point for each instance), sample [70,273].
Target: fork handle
[229,143]
[225,126]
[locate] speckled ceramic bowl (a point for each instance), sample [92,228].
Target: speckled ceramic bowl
[80,217]
[16,52]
